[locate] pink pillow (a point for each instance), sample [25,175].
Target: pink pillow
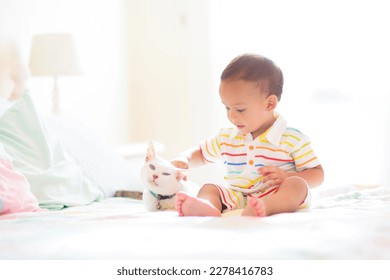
[15,195]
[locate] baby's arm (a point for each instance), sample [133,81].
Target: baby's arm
[313,176]
[275,176]
[189,158]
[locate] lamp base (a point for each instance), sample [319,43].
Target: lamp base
[55,99]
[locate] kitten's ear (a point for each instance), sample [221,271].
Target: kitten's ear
[150,153]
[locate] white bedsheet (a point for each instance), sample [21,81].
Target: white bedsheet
[344,223]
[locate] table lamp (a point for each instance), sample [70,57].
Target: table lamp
[53,55]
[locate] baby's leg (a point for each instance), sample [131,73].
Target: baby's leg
[290,195]
[207,203]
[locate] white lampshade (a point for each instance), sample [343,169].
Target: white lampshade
[53,55]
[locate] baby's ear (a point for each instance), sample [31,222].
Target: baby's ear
[150,153]
[272,102]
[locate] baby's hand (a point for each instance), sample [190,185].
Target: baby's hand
[182,163]
[273,175]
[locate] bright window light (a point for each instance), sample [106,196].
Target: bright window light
[335,59]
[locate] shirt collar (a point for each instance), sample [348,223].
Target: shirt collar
[273,134]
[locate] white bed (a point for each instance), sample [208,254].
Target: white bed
[347,223]
[87,222]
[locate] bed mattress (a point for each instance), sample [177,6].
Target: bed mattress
[352,222]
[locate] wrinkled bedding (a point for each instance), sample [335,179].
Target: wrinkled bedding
[352,222]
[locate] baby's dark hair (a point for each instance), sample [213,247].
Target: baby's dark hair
[255,68]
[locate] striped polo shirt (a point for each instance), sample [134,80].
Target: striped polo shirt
[281,146]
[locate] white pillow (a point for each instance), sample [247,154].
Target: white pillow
[5,104]
[55,179]
[97,158]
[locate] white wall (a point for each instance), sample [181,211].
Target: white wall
[170,75]
[172,95]
[335,58]
[99,96]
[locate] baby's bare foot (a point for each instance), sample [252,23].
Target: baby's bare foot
[192,206]
[255,207]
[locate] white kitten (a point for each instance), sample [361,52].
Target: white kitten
[163,180]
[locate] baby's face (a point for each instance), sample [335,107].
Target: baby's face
[247,107]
